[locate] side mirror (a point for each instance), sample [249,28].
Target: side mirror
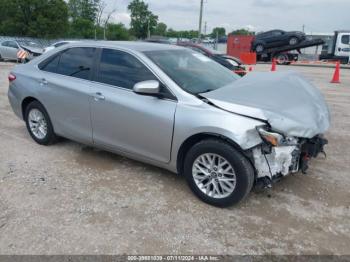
[150,87]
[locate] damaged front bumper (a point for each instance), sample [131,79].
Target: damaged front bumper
[273,162]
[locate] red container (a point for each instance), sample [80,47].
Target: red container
[240,46]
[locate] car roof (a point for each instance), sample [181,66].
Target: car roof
[131,45]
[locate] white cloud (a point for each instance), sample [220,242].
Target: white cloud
[258,15]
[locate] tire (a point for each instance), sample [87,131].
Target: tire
[241,167]
[36,118]
[282,59]
[259,48]
[293,40]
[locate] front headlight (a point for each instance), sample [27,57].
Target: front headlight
[271,138]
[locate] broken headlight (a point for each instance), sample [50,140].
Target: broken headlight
[271,138]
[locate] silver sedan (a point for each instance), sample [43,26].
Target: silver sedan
[176,109]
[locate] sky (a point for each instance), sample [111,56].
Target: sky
[318,16]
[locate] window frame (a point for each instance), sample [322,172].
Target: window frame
[9,41]
[52,57]
[345,36]
[169,95]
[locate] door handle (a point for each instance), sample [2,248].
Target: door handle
[98,96]
[43,82]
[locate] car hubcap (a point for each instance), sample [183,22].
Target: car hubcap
[259,48]
[214,175]
[293,41]
[37,123]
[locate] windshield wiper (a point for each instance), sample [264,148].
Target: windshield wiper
[206,91]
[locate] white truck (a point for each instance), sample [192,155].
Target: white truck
[338,48]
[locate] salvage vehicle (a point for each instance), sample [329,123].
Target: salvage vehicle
[276,38]
[174,108]
[9,49]
[230,62]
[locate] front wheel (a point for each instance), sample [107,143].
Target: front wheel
[259,48]
[39,124]
[218,173]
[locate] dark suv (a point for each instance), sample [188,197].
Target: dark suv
[276,38]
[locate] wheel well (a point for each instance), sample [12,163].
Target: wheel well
[25,103]
[191,141]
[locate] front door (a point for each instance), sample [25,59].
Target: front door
[125,121]
[343,45]
[9,50]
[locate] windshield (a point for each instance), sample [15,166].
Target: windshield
[28,43]
[192,71]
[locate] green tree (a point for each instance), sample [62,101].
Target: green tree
[82,17]
[160,29]
[242,31]
[220,31]
[117,32]
[35,18]
[142,19]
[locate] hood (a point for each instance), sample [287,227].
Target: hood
[286,100]
[31,49]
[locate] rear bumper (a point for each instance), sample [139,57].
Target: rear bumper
[14,102]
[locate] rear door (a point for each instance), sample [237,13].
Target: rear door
[125,121]
[343,45]
[65,91]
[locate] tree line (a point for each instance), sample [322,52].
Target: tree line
[84,19]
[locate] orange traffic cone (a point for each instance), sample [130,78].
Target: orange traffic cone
[336,75]
[273,67]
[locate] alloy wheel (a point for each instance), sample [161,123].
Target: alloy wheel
[37,123]
[214,175]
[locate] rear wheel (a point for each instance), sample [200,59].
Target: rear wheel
[39,124]
[293,40]
[217,173]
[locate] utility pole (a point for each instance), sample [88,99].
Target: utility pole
[200,21]
[205,28]
[148,31]
[303,28]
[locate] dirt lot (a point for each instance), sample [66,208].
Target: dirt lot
[71,199]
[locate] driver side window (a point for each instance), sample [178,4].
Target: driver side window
[121,69]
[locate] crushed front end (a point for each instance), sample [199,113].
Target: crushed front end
[279,156]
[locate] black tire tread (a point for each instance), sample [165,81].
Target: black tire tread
[245,163]
[51,137]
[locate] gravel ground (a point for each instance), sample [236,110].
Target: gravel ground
[72,199]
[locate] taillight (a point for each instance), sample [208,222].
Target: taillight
[11,77]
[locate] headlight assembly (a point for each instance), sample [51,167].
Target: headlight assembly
[271,138]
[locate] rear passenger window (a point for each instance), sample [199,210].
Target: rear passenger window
[121,69]
[77,62]
[51,64]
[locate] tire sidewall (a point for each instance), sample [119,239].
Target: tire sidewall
[50,135]
[236,159]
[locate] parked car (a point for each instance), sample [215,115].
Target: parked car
[276,38]
[9,49]
[230,62]
[57,44]
[171,107]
